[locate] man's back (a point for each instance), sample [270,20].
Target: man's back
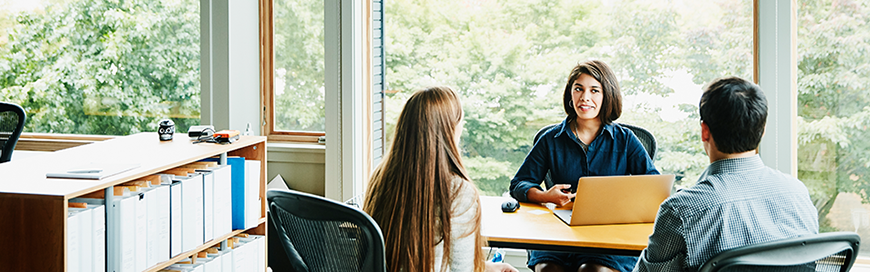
[736,202]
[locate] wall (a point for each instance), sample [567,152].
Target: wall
[302,166]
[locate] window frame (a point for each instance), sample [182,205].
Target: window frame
[267,83]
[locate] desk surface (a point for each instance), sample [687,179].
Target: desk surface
[533,226]
[27,175]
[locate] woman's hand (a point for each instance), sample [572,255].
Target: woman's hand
[554,194]
[499,267]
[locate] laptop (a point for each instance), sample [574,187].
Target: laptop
[617,199]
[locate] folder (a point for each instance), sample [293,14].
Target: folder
[86,236]
[192,212]
[98,236]
[243,257]
[73,241]
[124,232]
[214,263]
[188,267]
[223,219]
[140,232]
[158,225]
[255,246]
[260,241]
[92,171]
[227,260]
[252,193]
[238,189]
[208,203]
[175,218]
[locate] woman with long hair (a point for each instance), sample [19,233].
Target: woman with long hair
[421,196]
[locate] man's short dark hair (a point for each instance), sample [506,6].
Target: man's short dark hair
[735,110]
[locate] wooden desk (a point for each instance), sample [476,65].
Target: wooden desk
[533,226]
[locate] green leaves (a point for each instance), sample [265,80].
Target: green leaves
[104,67]
[510,61]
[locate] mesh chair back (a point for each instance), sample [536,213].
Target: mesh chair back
[646,139]
[834,251]
[319,234]
[12,119]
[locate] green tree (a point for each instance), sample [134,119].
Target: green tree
[510,60]
[833,101]
[299,65]
[104,67]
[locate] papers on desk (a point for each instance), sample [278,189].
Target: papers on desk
[91,171]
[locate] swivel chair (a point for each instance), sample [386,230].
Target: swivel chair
[12,119]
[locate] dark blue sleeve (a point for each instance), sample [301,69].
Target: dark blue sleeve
[639,162]
[532,172]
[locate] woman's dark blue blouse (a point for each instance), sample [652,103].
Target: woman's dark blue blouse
[615,151]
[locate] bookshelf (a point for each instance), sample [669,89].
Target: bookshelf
[33,208]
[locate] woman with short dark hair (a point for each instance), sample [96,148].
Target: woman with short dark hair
[586,143]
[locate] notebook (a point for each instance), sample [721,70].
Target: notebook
[617,199]
[92,171]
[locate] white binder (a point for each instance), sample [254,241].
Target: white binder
[192,211]
[125,241]
[175,215]
[158,225]
[73,241]
[141,230]
[252,193]
[208,205]
[223,219]
[99,245]
[98,236]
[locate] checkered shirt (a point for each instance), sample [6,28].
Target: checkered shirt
[736,202]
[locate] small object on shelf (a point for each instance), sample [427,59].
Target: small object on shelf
[166,130]
[226,136]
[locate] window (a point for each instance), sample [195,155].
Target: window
[834,111]
[509,61]
[298,104]
[101,67]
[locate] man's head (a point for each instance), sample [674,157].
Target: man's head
[735,111]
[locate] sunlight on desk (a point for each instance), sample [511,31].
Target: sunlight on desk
[529,228]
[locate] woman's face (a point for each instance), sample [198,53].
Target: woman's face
[458,133]
[587,96]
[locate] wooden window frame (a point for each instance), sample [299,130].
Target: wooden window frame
[267,83]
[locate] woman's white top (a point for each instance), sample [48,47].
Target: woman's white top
[465,206]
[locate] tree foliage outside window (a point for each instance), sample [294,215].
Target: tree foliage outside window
[510,61]
[299,65]
[110,67]
[834,110]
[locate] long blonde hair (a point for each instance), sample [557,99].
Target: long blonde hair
[415,179]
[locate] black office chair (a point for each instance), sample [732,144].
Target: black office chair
[320,234]
[833,251]
[646,139]
[12,119]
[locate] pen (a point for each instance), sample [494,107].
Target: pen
[84,171]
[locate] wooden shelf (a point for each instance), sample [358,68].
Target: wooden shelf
[34,207]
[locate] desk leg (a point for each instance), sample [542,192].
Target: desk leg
[111,251]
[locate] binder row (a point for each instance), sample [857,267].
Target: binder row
[243,253]
[161,216]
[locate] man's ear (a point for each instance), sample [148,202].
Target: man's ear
[705,132]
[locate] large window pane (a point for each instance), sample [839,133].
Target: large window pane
[834,111]
[509,60]
[299,90]
[99,66]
